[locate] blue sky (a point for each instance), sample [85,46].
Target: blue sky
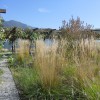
[50,13]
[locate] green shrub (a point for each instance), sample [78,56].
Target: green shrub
[1,72]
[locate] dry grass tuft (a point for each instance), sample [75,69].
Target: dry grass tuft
[22,50]
[49,61]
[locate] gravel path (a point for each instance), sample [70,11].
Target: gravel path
[8,89]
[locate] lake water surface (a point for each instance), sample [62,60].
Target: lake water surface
[8,45]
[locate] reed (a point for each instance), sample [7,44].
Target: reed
[63,69]
[22,52]
[49,62]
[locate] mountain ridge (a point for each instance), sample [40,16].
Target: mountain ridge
[13,23]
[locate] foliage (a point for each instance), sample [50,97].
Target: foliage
[0,46]
[62,70]
[26,82]
[76,29]
[1,33]
[1,29]
[22,52]
[15,33]
[1,21]
[1,72]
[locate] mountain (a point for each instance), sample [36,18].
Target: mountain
[13,23]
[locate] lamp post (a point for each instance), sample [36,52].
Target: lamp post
[2,10]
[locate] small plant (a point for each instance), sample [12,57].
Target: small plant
[1,72]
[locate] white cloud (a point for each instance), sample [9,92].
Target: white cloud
[43,10]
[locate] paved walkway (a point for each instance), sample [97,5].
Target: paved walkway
[8,89]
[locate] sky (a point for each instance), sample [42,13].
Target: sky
[50,13]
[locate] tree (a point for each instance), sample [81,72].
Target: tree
[31,36]
[10,34]
[1,28]
[1,33]
[75,28]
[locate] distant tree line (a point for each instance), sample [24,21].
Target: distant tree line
[73,29]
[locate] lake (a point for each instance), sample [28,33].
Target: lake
[8,45]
